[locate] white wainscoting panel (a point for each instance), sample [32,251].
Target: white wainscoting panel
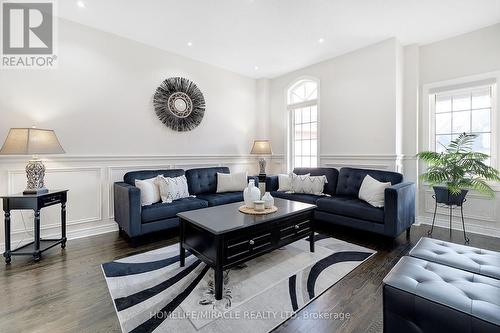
[378,162]
[90,182]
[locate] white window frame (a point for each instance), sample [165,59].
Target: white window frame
[290,121]
[453,86]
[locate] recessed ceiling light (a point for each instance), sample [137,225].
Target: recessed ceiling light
[321,40]
[80,4]
[256,68]
[190,44]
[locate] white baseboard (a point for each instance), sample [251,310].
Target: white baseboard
[457,225]
[104,227]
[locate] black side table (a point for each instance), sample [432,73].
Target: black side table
[35,202]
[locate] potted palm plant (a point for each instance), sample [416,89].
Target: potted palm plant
[458,169]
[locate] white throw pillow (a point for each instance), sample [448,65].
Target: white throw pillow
[285,182]
[373,191]
[150,192]
[231,182]
[308,184]
[172,188]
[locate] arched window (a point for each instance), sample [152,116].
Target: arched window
[303,139]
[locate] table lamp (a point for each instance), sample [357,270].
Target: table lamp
[261,147]
[32,141]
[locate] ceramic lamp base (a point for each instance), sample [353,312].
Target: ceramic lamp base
[262,166]
[35,173]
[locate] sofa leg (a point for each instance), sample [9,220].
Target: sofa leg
[408,232]
[134,241]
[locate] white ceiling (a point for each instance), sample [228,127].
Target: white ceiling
[279,36]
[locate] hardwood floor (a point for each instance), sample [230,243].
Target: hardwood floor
[66,291]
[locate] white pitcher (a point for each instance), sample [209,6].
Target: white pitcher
[250,194]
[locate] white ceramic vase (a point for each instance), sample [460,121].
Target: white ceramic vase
[251,194]
[268,200]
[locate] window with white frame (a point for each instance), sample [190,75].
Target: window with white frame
[465,110]
[303,140]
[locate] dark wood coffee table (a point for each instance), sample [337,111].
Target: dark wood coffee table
[223,237]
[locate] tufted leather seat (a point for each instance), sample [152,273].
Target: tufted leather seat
[161,211]
[352,207]
[216,199]
[422,296]
[301,197]
[468,258]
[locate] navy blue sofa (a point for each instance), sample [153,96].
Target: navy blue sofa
[342,206]
[135,220]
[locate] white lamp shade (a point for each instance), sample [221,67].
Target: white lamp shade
[261,147]
[31,141]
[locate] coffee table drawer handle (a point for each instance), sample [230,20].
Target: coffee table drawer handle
[251,242]
[297,227]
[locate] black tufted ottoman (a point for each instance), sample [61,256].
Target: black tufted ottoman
[468,258]
[422,296]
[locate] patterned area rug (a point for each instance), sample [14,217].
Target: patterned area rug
[151,293]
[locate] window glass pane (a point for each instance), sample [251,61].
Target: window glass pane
[306,161]
[482,143]
[298,116]
[314,162]
[304,91]
[443,104]
[299,91]
[461,122]
[461,102]
[306,115]
[443,123]
[311,91]
[481,98]
[297,161]
[306,131]
[314,130]
[314,113]
[441,142]
[306,147]
[298,132]
[298,148]
[481,120]
[314,147]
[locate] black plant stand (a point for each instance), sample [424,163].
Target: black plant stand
[451,208]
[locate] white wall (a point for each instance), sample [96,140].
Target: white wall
[99,102]
[99,99]
[470,54]
[358,106]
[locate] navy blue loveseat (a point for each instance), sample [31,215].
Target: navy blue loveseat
[341,206]
[135,220]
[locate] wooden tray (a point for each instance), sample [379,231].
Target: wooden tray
[244,209]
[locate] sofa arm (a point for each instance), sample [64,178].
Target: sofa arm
[272,183]
[127,204]
[399,208]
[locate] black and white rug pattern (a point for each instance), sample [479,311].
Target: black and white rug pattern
[151,293]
